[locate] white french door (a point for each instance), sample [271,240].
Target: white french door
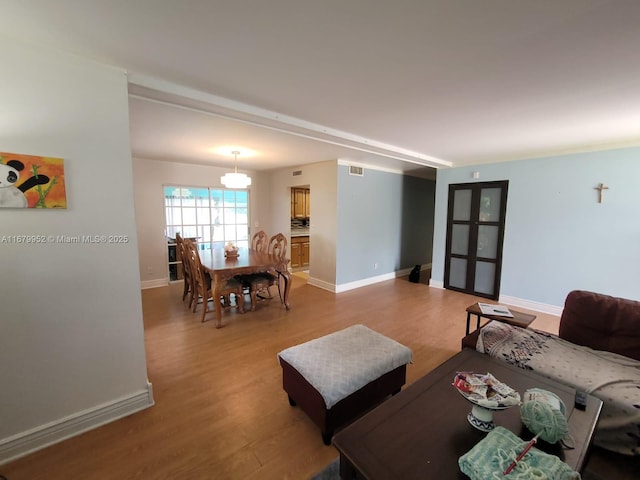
[211,216]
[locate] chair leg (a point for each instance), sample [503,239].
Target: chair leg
[280,290]
[191,296]
[205,309]
[185,291]
[195,303]
[254,299]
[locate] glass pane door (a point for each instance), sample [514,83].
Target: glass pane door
[475,230]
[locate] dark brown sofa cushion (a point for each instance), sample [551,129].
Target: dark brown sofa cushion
[602,322]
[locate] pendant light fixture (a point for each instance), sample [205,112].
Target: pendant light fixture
[235,179]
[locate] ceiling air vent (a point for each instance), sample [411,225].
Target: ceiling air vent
[359,171]
[297,173]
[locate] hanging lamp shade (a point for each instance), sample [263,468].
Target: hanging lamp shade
[235,179]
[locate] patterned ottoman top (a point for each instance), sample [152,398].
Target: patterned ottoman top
[340,363]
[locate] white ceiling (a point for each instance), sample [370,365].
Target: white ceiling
[394,84]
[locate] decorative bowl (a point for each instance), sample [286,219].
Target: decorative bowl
[487,395]
[230,250]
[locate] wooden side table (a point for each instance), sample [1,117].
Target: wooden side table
[519,319]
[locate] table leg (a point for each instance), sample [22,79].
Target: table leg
[215,293]
[469,322]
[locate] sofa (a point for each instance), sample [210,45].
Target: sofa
[597,350]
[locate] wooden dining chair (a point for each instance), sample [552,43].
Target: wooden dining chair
[203,286]
[278,245]
[260,241]
[186,270]
[258,283]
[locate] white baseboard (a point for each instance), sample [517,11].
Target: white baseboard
[43,436]
[512,301]
[515,302]
[158,282]
[531,305]
[406,271]
[344,287]
[322,284]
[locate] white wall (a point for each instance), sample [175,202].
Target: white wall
[270,198]
[71,335]
[270,210]
[322,180]
[149,177]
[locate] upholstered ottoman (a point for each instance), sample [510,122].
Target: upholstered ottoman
[338,377]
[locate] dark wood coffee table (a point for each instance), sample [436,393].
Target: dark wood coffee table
[519,319]
[422,431]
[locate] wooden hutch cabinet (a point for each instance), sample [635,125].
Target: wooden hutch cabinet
[299,252]
[300,203]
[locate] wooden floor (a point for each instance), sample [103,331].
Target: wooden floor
[220,410]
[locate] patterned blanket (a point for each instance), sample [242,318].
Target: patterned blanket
[613,378]
[340,363]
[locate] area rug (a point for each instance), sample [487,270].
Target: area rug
[332,472]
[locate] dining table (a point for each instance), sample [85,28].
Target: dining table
[220,268]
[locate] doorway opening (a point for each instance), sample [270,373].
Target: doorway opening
[300,228]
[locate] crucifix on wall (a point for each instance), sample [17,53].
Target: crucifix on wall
[601,188]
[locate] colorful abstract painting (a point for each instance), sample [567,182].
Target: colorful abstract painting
[28,181]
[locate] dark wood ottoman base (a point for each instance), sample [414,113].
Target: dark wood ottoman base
[302,393]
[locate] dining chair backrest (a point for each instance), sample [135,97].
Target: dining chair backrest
[185,246]
[179,245]
[260,241]
[186,269]
[278,245]
[191,251]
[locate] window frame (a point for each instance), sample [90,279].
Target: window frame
[211,215]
